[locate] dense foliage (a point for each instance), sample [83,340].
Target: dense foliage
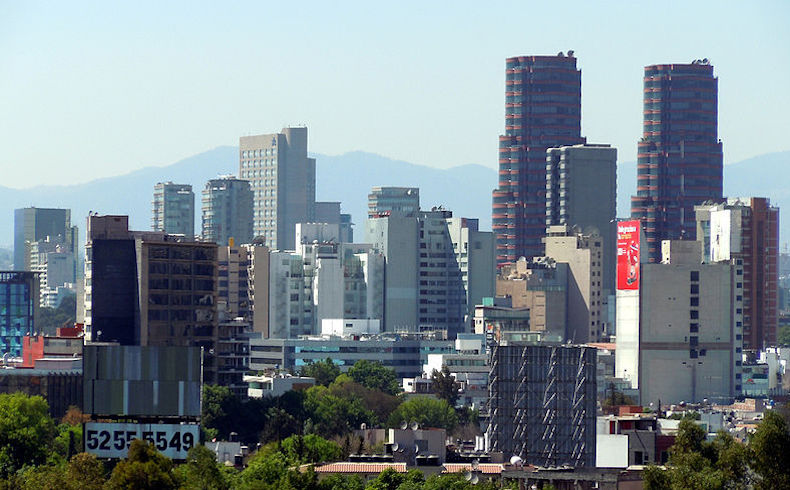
[725,463]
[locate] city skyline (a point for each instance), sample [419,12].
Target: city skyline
[184,84]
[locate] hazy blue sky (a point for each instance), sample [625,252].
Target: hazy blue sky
[103,88]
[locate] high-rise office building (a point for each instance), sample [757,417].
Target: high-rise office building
[19,302]
[227,211]
[384,200]
[150,288]
[581,192]
[41,224]
[542,110]
[174,209]
[747,229]
[679,164]
[282,178]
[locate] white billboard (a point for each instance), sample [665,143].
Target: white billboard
[112,440]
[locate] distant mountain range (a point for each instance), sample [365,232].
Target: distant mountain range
[347,178]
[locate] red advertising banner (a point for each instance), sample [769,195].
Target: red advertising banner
[628,255]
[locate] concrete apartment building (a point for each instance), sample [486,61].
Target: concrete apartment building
[397,237]
[323,281]
[383,200]
[584,256]
[173,209]
[150,288]
[679,329]
[747,229]
[581,192]
[438,268]
[282,179]
[242,270]
[541,286]
[227,211]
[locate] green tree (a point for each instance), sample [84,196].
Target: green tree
[84,471]
[656,478]
[221,411]
[689,439]
[695,463]
[310,449]
[332,415]
[426,411]
[783,335]
[770,446]
[445,386]
[375,376]
[341,482]
[390,479]
[279,425]
[264,468]
[26,432]
[324,371]
[201,471]
[144,468]
[48,477]
[380,403]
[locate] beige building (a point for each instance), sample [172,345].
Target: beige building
[541,287]
[244,270]
[679,336]
[584,255]
[282,178]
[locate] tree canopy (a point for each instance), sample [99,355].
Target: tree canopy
[324,371]
[445,386]
[376,376]
[26,432]
[426,411]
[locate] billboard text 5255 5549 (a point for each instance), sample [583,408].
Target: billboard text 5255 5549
[628,255]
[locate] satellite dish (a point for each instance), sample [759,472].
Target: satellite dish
[414,425]
[468,476]
[395,446]
[404,425]
[363,426]
[516,461]
[475,464]
[474,480]
[417,449]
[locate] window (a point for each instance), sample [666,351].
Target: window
[695,276]
[694,301]
[694,314]
[694,289]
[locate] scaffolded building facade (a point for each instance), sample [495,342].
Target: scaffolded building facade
[542,404]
